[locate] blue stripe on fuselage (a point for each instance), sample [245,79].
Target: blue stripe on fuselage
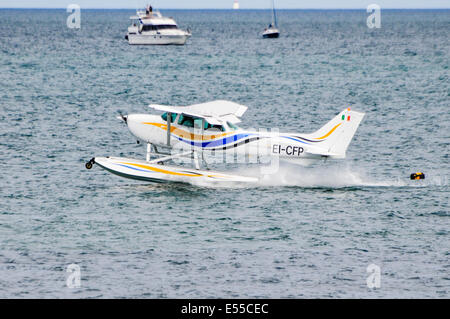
[294,139]
[223,141]
[227,140]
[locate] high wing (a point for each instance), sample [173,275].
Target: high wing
[214,112]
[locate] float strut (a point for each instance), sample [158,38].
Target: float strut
[196,160]
[149,151]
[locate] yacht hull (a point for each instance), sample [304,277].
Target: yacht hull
[271,35]
[159,39]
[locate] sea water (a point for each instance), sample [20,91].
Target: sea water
[303,232]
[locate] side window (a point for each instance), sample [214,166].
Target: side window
[232,126]
[149,28]
[219,127]
[190,121]
[198,123]
[186,120]
[213,127]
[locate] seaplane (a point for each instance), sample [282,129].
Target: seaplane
[201,132]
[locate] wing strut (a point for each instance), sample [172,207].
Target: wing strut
[203,132]
[169,121]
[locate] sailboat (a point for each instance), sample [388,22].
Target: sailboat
[236,5]
[272,31]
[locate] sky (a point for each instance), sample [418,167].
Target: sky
[227,4]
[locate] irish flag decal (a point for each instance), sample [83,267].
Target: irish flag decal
[348,117]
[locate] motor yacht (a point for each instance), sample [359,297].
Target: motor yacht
[150,27]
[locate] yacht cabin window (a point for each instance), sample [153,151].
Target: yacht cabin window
[166,27]
[150,27]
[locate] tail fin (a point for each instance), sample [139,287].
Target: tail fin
[337,134]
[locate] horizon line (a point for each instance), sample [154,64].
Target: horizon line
[228,9]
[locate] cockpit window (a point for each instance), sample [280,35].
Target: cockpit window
[173,117]
[186,120]
[196,122]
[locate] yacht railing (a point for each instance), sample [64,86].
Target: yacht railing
[152,14]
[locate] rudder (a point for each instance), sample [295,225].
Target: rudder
[338,133]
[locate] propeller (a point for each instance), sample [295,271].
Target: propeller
[121,116]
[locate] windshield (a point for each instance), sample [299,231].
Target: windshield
[173,117]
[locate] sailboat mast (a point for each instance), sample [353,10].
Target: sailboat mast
[274,15]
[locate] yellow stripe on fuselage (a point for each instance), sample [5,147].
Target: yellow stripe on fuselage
[159,170]
[329,133]
[185,134]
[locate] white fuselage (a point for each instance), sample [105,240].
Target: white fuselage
[152,129]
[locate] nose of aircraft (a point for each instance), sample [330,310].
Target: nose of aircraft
[140,125]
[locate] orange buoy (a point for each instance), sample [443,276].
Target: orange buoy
[418,175]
